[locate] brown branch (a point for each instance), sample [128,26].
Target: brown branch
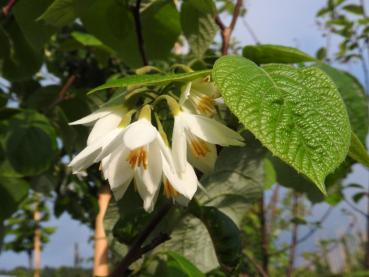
[62,93]
[8,7]
[226,32]
[140,39]
[136,250]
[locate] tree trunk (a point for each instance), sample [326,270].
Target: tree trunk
[37,244]
[101,259]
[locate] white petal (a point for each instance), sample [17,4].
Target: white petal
[85,158]
[105,166]
[119,191]
[186,183]
[112,141]
[179,145]
[211,130]
[139,133]
[204,163]
[91,117]
[185,93]
[148,198]
[119,172]
[151,177]
[104,126]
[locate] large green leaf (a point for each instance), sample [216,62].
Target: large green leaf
[111,22]
[297,113]
[154,79]
[268,53]
[35,32]
[60,13]
[24,60]
[30,144]
[197,20]
[354,96]
[12,192]
[236,181]
[160,28]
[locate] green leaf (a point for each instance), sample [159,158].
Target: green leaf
[355,9]
[160,28]
[224,235]
[86,39]
[24,60]
[268,53]
[288,177]
[270,175]
[358,152]
[297,113]
[30,145]
[153,79]
[111,22]
[60,13]
[12,192]
[4,45]
[35,32]
[236,181]
[197,20]
[354,96]
[358,196]
[178,265]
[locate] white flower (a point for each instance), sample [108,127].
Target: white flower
[195,136]
[200,96]
[103,136]
[143,156]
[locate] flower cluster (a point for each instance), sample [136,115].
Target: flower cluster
[138,151]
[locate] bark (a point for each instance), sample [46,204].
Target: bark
[101,259]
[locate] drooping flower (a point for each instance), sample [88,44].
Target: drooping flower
[200,96]
[144,157]
[109,126]
[195,136]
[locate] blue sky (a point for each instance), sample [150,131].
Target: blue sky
[286,22]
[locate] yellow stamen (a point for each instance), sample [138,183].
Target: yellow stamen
[198,147]
[169,191]
[206,105]
[138,157]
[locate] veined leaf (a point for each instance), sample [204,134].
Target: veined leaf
[154,79]
[59,13]
[358,152]
[297,114]
[268,53]
[197,20]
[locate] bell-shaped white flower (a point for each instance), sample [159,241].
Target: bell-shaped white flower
[200,96]
[106,132]
[144,157]
[195,136]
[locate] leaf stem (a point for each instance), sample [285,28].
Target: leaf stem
[8,7]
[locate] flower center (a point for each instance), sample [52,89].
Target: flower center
[203,103]
[169,191]
[206,106]
[138,157]
[198,146]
